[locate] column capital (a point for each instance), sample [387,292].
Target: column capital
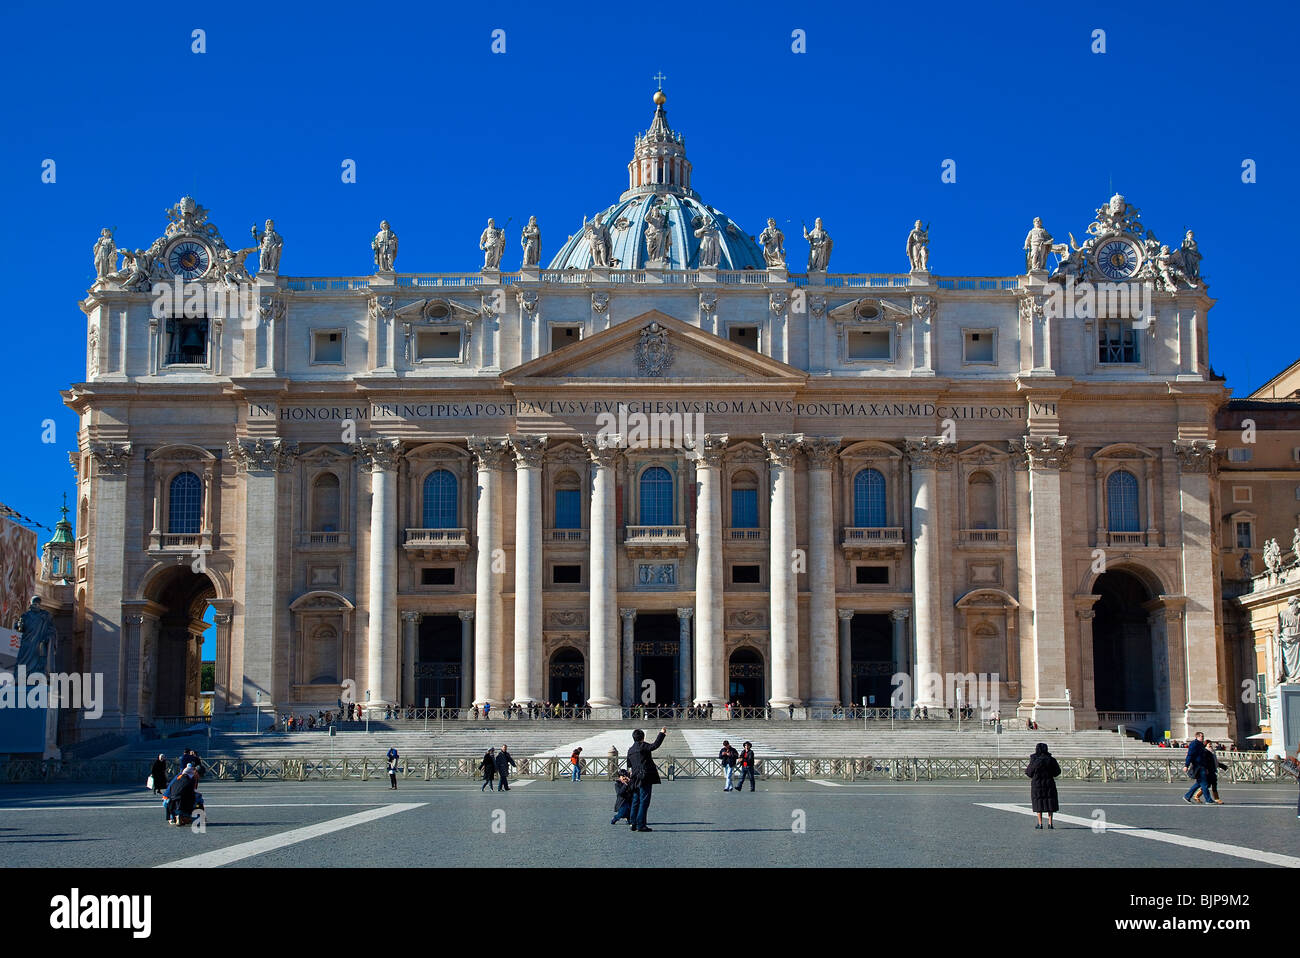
[1196,455]
[528,450]
[782,447]
[709,449]
[412,616]
[466,615]
[844,614]
[1043,452]
[685,613]
[222,618]
[822,451]
[490,452]
[628,615]
[134,618]
[900,615]
[110,458]
[379,454]
[263,455]
[1086,614]
[603,449]
[929,452]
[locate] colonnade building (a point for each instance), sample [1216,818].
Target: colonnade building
[668,464]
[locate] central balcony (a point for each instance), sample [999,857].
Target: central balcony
[870,542]
[437,543]
[654,542]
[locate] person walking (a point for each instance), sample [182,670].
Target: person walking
[392,767]
[1213,763]
[622,797]
[728,757]
[1042,771]
[489,768]
[505,762]
[158,772]
[1196,766]
[643,776]
[575,761]
[746,767]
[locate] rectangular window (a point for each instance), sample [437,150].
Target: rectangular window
[869,345]
[1261,683]
[187,341]
[744,508]
[979,346]
[746,336]
[434,344]
[1118,342]
[566,574]
[1243,535]
[327,346]
[438,575]
[562,336]
[1239,455]
[872,575]
[745,574]
[568,509]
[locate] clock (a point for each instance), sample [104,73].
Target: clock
[189,259]
[1118,258]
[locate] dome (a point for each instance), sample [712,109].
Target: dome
[659,178]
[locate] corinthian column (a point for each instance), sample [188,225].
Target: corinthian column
[528,567]
[710,667]
[603,625]
[490,456]
[380,457]
[822,453]
[927,456]
[781,450]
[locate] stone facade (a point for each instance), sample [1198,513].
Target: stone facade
[441,485]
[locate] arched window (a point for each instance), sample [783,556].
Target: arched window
[869,499]
[744,501]
[1122,502]
[656,497]
[982,501]
[440,507]
[184,504]
[568,502]
[325,503]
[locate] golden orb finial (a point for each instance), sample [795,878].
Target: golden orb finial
[660,98]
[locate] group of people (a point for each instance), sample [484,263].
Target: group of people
[180,794]
[496,766]
[730,759]
[535,711]
[1202,765]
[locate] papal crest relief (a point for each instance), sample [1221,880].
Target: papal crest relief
[654,354]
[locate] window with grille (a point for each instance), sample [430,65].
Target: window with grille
[869,499]
[656,497]
[184,504]
[1122,502]
[1244,536]
[1118,342]
[440,510]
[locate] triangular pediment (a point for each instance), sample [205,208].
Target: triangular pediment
[635,350]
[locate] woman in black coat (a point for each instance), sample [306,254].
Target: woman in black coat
[489,768]
[159,774]
[1042,771]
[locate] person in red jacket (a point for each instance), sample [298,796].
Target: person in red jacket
[746,767]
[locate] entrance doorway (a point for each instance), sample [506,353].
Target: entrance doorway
[438,667]
[172,659]
[745,682]
[1129,662]
[568,677]
[871,643]
[655,659]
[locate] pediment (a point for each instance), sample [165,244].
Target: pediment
[635,350]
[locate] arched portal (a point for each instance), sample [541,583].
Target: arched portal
[171,649]
[438,668]
[568,677]
[872,659]
[1130,664]
[745,678]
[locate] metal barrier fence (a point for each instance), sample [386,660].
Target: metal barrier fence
[432,768]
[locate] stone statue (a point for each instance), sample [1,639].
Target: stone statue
[598,241]
[233,270]
[39,638]
[657,236]
[1190,258]
[1295,546]
[1272,557]
[268,246]
[105,255]
[819,247]
[531,240]
[710,242]
[773,242]
[918,248]
[492,242]
[1167,270]
[1288,642]
[1037,245]
[137,267]
[1247,565]
[385,246]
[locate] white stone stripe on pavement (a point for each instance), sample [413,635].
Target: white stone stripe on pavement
[234,853]
[822,781]
[1200,844]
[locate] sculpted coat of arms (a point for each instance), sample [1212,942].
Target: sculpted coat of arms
[654,354]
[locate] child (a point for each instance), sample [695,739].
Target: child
[622,797]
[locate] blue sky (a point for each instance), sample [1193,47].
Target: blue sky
[445,134]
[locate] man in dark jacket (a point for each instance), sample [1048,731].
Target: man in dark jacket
[644,776]
[622,797]
[1197,766]
[728,757]
[505,762]
[746,767]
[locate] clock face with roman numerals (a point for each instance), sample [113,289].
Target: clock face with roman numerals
[1118,258]
[189,259]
